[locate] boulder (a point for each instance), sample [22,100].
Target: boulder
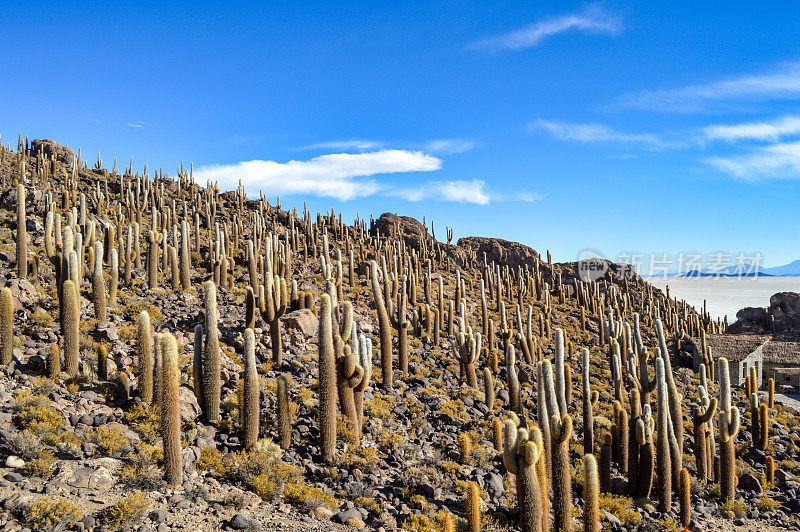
[302,320]
[49,147]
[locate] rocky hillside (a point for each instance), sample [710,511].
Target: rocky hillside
[176,357]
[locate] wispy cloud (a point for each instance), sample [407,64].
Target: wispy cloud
[592,19]
[135,124]
[357,144]
[449,146]
[765,130]
[333,175]
[780,84]
[776,161]
[473,191]
[597,133]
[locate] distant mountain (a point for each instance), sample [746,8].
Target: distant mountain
[787,270]
[791,269]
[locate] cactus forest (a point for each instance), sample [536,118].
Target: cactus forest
[180,357]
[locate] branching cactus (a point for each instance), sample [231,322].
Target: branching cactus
[728,428]
[326,382]
[701,415]
[171,413]
[467,346]
[276,298]
[6,326]
[384,327]
[401,323]
[365,361]
[211,365]
[250,412]
[560,434]
[521,455]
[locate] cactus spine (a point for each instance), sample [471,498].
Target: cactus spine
[384,327]
[211,366]
[6,326]
[250,412]
[591,495]
[70,329]
[171,413]
[326,382]
[728,428]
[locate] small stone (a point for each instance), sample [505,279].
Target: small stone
[15,461]
[240,522]
[320,512]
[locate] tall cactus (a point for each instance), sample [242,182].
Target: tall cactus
[99,284]
[284,416]
[171,413]
[326,382]
[728,428]
[211,365]
[663,450]
[473,507]
[114,284]
[250,412]
[685,498]
[184,257]
[22,234]
[589,398]
[154,239]
[512,374]
[644,438]
[70,328]
[591,495]
[488,388]
[384,327]
[144,346]
[6,326]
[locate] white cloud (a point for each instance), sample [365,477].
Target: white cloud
[596,133]
[780,161]
[783,83]
[592,19]
[769,131]
[358,144]
[473,191]
[327,175]
[449,146]
[135,124]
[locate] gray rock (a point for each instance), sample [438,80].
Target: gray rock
[302,320]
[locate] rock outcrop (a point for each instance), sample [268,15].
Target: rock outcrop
[781,318]
[49,147]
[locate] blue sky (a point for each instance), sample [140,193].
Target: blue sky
[639,127]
